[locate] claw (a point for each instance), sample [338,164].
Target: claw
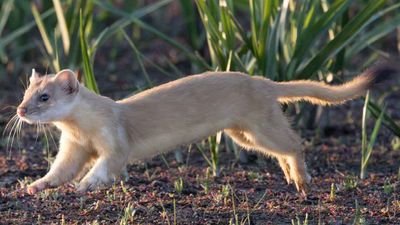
[88,185]
[304,189]
[83,188]
[31,190]
[37,186]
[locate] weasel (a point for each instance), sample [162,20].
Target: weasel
[108,134]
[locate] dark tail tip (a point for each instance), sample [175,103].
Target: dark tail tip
[382,71]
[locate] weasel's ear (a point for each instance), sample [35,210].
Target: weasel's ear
[68,81]
[34,76]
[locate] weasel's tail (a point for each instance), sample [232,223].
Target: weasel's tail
[323,94]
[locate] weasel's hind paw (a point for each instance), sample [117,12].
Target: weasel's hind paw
[303,188]
[85,187]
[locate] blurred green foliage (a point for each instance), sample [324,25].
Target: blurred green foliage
[279,39]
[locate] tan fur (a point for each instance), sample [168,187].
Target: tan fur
[320,93]
[109,134]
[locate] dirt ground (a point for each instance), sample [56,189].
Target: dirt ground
[246,193]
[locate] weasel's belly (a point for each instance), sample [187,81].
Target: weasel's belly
[167,141]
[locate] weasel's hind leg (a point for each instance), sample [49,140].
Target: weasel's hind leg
[298,172]
[285,168]
[239,137]
[246,140]
[275,137]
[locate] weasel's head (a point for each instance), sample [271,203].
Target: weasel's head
[49,98]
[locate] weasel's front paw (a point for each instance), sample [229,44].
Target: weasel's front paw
[37,186]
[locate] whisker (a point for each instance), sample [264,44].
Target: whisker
[15,132]
[12,136]
[51,135]
[13,121]
[8,141]
[9,106]
[37,132]
[19,128]
[22,82]
[45,136]
[9,122]
[47,146]
[7,115]
[41,129]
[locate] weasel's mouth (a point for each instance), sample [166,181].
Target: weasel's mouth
[30,118]
[33,119]
[25,119]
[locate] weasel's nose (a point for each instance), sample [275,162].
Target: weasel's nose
[21,111]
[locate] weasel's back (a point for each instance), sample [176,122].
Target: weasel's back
[196,85]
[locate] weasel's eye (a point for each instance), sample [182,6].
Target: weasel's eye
[44,97]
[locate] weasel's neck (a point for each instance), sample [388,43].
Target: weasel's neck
[90,110]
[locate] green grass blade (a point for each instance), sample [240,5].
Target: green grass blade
[139,58]
[273,42]
[375,132]
[5,11]
[189,13]
[216,42]
[62,25]
[201,150]
[254,25]
[87,66]
[121,23]
[375,34]
[229,64]
[364,137]
[260,49]
[45,37]
[348,33]
[308,36]
[134,18]
[373,137]
[227,26]
[214,142]
[239,64]
[6,40]
[340,59]
[308,15]
[42,30]
[136,14]
[173,43]
[242,35]
[387,120]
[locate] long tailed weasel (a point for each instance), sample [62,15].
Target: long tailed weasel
[113,133]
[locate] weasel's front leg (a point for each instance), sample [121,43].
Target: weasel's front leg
[104,171]
[69,161]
